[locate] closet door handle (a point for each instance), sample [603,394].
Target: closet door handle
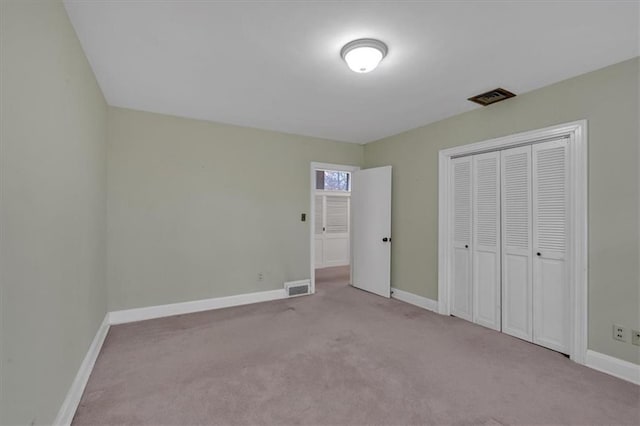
[466,246]
[539,254]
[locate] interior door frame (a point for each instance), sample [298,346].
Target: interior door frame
[312,213]
[577,248]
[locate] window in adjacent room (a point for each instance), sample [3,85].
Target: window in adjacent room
[333,180]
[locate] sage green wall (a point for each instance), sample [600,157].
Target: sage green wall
[52,209]
[198,209]
[608,98]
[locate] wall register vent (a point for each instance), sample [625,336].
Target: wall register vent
[297,288]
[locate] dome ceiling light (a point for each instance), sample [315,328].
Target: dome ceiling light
[363,55]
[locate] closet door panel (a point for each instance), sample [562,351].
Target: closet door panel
[550,289]
[461,305]
[517,317]
[516,296]
[486,240]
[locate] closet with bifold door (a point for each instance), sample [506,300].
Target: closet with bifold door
[509,241]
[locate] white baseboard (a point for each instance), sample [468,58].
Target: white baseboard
[70,403]
[614,366]
[72,400]
[151,312]
[414,299]
[607,364]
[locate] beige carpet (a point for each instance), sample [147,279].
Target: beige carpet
[342,356]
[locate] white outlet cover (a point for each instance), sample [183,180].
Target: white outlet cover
[619,333]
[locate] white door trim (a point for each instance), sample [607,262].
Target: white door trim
[577,259]
[312,211]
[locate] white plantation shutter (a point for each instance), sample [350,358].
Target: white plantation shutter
[319,216]
[517,317]
[337,214]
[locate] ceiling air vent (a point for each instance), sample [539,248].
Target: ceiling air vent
[492,96]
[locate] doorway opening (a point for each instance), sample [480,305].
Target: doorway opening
[330,217]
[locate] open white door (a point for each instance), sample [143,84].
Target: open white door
[371,230]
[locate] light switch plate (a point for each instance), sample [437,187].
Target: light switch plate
[635,337]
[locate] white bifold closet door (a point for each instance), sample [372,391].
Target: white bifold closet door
[510,207]
[462,296]
[486,240]
[550,286]
[517,279]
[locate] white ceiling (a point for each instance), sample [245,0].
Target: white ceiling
[276,65]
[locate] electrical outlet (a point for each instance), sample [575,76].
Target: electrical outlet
[619,333]
[260,276]
[635,337]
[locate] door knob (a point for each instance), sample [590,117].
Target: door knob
[539,254]
[466,246]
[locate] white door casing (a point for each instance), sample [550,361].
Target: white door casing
[370,225]
[486,240]
[516,243]
[462,297]
[551,298]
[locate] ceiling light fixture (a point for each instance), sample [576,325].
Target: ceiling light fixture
[363,55]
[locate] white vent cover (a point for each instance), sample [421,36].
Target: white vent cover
[297,288]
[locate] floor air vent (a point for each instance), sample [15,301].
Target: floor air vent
[492,96]
[297,288]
